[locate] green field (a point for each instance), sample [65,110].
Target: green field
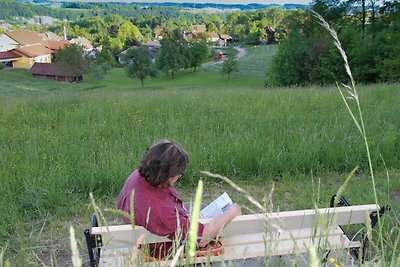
[61,141]
[254,64]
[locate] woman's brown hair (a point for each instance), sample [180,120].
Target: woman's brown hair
[163,160]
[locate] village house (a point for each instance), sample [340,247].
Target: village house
[22,48]
[88,48]
[152,45]
[54,71]
[56,45]
[199,28]
[213,37]
[13,39]
[8,58]
[225,39]
[31,54]
[158,33]
[46,20]
[50,36]
[83,42]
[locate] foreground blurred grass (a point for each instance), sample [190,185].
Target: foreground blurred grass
[59,145]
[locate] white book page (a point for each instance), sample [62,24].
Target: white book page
[217,207]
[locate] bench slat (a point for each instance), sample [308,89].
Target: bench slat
[117,257]
[298,219]
[125,235]
[308,233]
[250,236]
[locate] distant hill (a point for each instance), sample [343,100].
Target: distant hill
[224,6]
[252,6]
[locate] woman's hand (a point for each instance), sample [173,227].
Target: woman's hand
[213,228]
[235,210]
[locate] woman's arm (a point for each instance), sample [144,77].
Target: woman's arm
[212,229]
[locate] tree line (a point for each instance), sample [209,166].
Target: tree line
[369,31]
[88,20]
[370,36]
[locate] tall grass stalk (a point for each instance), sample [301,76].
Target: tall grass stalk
[3,261]
[343,186]
[359,122]
[101,219]
[313,260]
[76,258]
[191,246]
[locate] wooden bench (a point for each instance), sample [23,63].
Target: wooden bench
[247,236]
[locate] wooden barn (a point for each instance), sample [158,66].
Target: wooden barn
[54,71]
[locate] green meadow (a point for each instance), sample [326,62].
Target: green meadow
[253,64]
[59,142]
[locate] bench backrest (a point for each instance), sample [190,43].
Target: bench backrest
[125,235]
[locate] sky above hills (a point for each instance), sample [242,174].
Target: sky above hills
[244,2]
[233,1]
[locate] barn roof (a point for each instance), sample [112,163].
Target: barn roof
[50,69]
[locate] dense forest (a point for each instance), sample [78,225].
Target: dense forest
[370,35]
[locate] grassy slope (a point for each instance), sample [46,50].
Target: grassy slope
[62,141]
[254,63]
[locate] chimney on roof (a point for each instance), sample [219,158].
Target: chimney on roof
[65,32]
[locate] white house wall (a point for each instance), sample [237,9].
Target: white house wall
[43,59]
[6,43]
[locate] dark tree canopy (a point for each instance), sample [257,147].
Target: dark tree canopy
[72,59]
[230,63]
[139,64]
[172,55]
[198,52]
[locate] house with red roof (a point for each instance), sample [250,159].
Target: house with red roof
[56,44]
[8,58]
[31,54]
[22,48]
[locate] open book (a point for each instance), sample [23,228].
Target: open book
[217,207]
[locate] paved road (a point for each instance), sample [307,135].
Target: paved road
[241,53]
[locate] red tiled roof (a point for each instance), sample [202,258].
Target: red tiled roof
[8,55]
[56,45]
[158,31]
[50,69]
[33,50]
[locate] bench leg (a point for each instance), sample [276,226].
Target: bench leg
[91,245]
[342,202]
[93,242]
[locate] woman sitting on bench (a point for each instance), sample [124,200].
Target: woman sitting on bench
[158,206]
